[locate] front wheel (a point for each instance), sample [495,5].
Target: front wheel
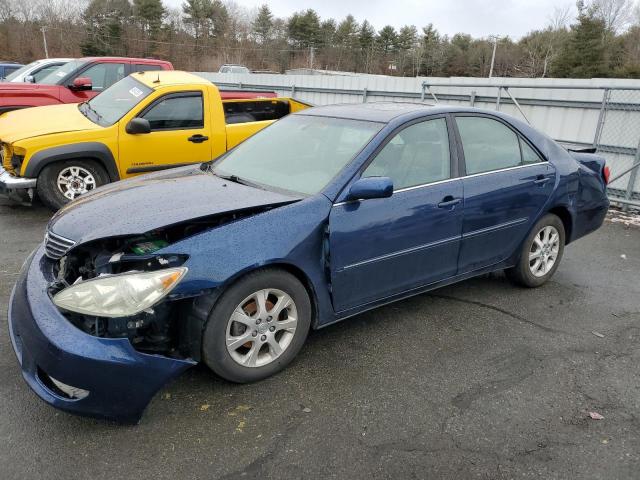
[257,326]
[62,182]
[540,253]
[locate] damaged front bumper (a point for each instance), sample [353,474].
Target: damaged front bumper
[72,370]
[17,189]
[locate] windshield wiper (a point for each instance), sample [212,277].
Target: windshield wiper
[231,178]
[237,179]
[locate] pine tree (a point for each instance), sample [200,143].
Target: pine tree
[262,26]
[585,53]
[105,22]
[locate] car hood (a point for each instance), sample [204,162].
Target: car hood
[37,121]
[146,203]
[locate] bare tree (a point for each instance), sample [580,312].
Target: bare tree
[560,18]
[616,14]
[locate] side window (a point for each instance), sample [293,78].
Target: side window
[487,144]
[43,72]
[176,112]
[103,75]
[143,67]
[529,155]
[417,155]
[9,70]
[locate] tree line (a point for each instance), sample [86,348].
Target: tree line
[601,40]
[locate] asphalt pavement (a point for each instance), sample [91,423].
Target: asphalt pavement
[476,380]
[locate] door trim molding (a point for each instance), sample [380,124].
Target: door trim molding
[493,228]
[399,253]
[156,168]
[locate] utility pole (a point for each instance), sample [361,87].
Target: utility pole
[44,39]
[312,52]
[493,57]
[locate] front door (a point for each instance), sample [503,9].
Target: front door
[386,246]
[179,134]
[506,186]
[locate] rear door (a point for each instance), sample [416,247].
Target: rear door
[386,246]
[506,186]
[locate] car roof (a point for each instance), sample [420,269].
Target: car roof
[52,60]
[161,78]
[386,112]
[152,61]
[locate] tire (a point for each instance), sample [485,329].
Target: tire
[252,354]
[49,191]
[525,272]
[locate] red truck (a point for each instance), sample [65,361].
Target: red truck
[75,82]
[84,78]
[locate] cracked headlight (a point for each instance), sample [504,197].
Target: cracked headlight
[120,295]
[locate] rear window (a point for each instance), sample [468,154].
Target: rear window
[145,67]
[255,111]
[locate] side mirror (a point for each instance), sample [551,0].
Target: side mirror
[29,79]
[81,83]
[371,187]
[137,126]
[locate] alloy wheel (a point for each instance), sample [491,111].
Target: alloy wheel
[74,181]
[544,251]
[261,327]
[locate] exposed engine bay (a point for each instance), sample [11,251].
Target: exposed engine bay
[156,329]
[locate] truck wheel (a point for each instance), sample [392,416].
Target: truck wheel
[257,326]
[540,253]
[61,182]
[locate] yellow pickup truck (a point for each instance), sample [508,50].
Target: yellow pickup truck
[146,122]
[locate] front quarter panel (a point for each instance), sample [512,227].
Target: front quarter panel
[290,236]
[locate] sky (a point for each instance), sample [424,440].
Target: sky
[514,18]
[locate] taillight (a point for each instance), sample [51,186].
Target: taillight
[606,173]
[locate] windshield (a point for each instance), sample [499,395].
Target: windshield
[20,71]
[54,77]
[112,104]
[299,153]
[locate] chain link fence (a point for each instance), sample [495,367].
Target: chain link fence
[618,139]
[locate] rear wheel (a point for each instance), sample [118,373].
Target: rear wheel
[540,254]
[62,182]
[257,326]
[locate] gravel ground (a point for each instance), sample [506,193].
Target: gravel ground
[477,380]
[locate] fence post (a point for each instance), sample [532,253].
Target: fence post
[364,95]
[498,98]
[632,177]
[472,98]
[424,87]
[603,112]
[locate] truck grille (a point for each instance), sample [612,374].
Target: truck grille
[55,246]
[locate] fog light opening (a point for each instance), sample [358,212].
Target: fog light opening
[61,389]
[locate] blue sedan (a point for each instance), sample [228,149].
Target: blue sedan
[325,214]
